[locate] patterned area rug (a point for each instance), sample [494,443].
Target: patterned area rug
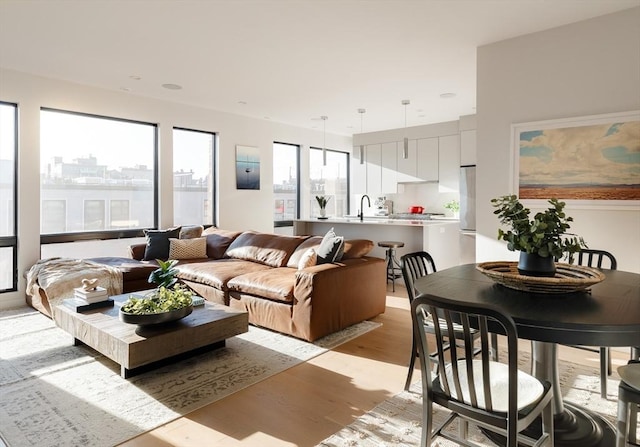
[56,394]
[397,421]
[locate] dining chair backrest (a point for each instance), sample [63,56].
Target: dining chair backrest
[416,265]
[597,258]
[467,383]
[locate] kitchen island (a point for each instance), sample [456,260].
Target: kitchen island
[441,238]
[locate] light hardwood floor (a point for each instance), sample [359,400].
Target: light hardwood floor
[307,403]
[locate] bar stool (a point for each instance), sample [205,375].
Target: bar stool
[628,401]
[394,269]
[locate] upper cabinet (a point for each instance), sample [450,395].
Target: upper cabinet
[449,165]
[428,159]
[358,172]
[373,158]
[407,167]
[389,168]
[467,147]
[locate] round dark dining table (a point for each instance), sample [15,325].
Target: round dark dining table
[606,315]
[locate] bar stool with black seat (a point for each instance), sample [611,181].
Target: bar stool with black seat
[394,268]
[628,402]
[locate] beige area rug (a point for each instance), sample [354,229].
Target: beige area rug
[56,394]
[398,421]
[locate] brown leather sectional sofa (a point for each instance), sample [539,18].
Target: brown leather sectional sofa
[258,272]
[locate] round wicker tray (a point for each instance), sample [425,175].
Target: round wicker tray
[568,277]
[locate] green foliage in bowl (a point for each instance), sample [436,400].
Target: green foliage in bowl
[161,300]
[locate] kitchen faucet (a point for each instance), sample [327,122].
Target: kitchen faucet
[361,215]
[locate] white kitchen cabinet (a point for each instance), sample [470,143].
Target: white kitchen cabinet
[427,159]
[358,173]
[449,165]
[373,159]
[467,147]
[389,171]
[407,168]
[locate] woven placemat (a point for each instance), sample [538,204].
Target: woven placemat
[568,278]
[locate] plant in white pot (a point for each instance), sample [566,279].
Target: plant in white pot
[540,241]
[322,202]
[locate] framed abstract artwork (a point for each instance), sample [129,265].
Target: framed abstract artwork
[591,161]
[247,167]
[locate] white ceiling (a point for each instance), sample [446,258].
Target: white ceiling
[289,61]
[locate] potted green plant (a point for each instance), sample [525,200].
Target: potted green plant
[454,207]
[169,301]
[540,241]
[322,202]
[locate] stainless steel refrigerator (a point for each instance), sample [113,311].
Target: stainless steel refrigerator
[468,198]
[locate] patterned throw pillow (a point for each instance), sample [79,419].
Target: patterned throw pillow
[188,248]
[331,248]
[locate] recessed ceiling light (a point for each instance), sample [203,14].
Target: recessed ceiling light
[135,77]
[125,89]
[172,86]
[447,95]
[244,103]
[267,117]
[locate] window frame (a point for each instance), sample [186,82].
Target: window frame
[289,223]
[12,241]
[55,238]
[214,172]
[348,170]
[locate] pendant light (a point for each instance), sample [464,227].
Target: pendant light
[324,139]
[361,112]
[405,147]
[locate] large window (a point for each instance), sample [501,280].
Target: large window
[286,187]
[8,157]
[331,180]
[193,177]
[88,162]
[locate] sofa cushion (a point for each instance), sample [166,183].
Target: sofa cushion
[357,248]
[191,231]
[217,273]
[158,243]
[273,250]
[276,284]
[218,241]
[312,242]
[195,248]
[331,248]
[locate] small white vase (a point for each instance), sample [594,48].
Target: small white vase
[323,212]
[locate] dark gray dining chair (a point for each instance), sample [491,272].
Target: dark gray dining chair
[598,259]
[628,403]
[416,265]
[491,395]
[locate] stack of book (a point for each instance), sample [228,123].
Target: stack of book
[91,296]
[84,299]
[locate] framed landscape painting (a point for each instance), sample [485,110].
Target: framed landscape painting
[590,161]
[247,167]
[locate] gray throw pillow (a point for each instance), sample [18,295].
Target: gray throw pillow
[331,248]
[158,243]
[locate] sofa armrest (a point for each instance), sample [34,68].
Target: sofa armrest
[330,297]
[136,251]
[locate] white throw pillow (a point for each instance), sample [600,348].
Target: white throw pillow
[308,259]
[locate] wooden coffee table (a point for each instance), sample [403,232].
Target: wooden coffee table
[139,348]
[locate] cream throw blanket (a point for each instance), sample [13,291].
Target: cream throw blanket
[57,277]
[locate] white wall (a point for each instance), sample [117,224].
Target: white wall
[587,68]
[237,209]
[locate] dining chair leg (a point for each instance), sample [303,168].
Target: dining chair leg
[412,364]
[605,370]
[633,423]
[621,423]
[494,347]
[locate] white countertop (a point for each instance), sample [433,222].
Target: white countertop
[377,220]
